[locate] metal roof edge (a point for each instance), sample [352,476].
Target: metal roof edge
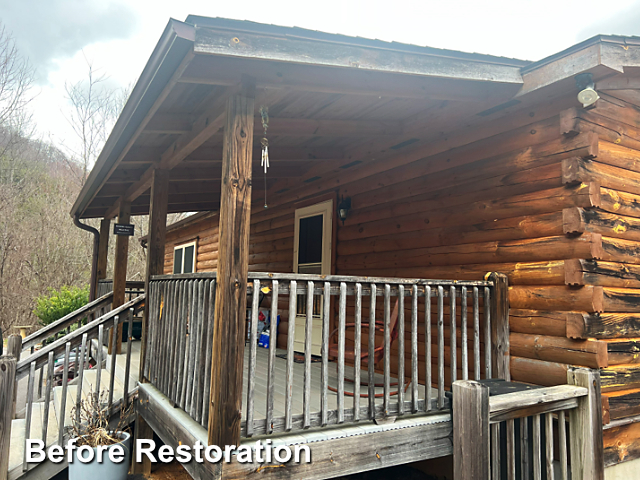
[595,40]
[219,23]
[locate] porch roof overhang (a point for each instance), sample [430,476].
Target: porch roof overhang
[335,102]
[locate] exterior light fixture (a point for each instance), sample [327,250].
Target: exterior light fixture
[587,95]
[343,208]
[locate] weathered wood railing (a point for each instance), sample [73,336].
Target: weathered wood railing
[77,341]
[533,443]
[63,326]
[132,290]
[444,333]
[178,360]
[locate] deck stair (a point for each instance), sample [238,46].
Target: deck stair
[54,404]
[18,426]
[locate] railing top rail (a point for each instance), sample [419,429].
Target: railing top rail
[331,278]
[65,321]
[40,357]
[542,400]
[129,284]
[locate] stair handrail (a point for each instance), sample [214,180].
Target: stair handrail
[75,337]
[65,322]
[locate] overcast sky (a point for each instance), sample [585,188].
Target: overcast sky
[118,36]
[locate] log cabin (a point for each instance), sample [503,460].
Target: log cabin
[429,221]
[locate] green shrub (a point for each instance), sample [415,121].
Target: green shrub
[59,303]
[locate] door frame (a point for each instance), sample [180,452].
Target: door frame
[322,207]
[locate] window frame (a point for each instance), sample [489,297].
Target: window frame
[182,247]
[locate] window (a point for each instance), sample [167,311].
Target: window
[184,258]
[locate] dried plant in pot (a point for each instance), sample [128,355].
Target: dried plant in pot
[102,451]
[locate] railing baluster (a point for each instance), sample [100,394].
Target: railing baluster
[537,463]
[197,371]
[112,367]
[170,318]
[40,380]
[187,346]
[440,347]
[150,329]
[253,343]
[173,321]
[80,367]
[414,348]
[272,354]
[427,351]
[208,344]
[63,399]
[511,450]
[326,320]
[495,451]
[453,348]
[160,355]
[127,364]
[306,401]
[562,438]
[370,357]
[549,444]
[401,365]
[47,396]
[463,328]
[487,331]
[182,343]
[387,348]
[524,448]
[356,353]
[99,360]
[193,322]
[476,334]
[29,413]
[293,308]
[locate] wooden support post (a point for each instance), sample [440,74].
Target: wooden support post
[155,246]
[471,442]
[500,326]
[233,263]
[120,271]
[585,427]
[14,349]
[103,249]
[7,391]
[144,432]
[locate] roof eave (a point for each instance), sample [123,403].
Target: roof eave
[176,42]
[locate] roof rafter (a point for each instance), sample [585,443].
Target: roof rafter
[202,129]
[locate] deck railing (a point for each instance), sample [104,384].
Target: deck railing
[133,288]
[443,333]
[74,366]
[553,432]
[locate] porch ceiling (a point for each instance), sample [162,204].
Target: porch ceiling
[334,103]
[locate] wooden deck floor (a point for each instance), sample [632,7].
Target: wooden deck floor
[262,363]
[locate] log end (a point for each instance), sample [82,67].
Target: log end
[573,220]
[569,125]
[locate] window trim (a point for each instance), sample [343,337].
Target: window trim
[182,246]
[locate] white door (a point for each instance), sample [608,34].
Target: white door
[312,254]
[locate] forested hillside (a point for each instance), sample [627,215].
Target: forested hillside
[40,247]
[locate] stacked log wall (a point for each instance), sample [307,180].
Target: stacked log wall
[552,200]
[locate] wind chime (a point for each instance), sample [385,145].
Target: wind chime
[264,115]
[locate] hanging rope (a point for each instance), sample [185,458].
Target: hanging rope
[264,115]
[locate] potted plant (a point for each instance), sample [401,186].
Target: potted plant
[102,452]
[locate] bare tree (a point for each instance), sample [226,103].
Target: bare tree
[94,109]
[16,81]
